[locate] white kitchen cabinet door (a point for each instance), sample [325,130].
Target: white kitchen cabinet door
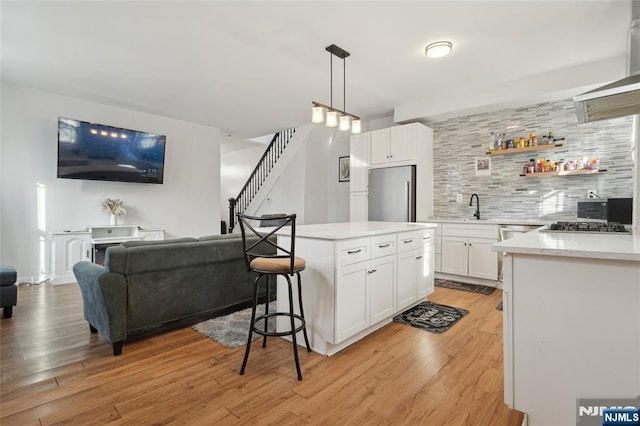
[379,153]
[382,285]
[425,272]
[68,249]
[455,255]
[401,143]
[406,287]
[352,295]
[483,263]
[359,162]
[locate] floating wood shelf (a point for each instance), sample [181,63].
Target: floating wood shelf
[525,149]
[564,173]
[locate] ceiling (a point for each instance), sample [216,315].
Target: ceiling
[252,68]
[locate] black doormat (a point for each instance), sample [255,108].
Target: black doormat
[484,289]
[431,317]
[499,307]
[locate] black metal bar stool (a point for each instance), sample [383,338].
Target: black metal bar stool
[284,263]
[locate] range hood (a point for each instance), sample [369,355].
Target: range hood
[622,97]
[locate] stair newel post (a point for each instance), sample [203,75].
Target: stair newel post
[232,214]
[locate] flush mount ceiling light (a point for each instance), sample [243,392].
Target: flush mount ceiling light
[334,116]
[438,49]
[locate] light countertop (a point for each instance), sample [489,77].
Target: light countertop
[345,230]
[597,246]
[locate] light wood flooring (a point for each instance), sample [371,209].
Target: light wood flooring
[54,371]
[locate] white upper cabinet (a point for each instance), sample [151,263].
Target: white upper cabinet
[392,145]
[401,143]
[380,146]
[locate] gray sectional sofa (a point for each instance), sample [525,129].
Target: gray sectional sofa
[146,286]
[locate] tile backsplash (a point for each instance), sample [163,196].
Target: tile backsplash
[503,193]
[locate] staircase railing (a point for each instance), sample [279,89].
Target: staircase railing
[276,147]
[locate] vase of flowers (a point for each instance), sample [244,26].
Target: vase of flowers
[115,206]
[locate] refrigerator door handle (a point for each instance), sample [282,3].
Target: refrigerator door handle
[407,192]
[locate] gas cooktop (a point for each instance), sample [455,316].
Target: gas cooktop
[587,227]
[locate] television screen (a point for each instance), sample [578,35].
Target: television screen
[99,152]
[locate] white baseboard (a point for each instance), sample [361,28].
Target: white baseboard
[468,280]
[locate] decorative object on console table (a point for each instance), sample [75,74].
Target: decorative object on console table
[115,206]
[344,170]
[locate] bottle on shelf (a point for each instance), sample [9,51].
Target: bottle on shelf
[492,141]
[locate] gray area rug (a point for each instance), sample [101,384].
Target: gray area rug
[431,317]
[232,330]
[484,289]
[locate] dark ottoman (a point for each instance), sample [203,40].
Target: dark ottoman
[8,289]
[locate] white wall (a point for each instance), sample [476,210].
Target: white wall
[309,185]
[558,83]
[337,192]
[187,204]
[380,123]
[236,166]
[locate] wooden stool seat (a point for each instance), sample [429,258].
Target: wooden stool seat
[271,265]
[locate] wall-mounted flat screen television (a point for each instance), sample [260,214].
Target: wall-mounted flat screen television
[100,152]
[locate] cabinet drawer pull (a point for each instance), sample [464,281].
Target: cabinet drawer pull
[383,245]
[426,238]
[418,257]
[354,251]
[407,241]
[372,271]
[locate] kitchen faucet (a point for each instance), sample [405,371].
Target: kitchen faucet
[477,213]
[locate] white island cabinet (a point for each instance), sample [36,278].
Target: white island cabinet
[354,283]
[571,321]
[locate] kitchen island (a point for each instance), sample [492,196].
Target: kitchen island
[571,309]
[358,276]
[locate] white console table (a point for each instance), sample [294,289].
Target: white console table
[358,276]
[70,247]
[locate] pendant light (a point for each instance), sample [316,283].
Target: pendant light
[332,118]
[317,114]
[335,117]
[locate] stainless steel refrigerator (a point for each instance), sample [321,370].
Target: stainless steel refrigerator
[392,194]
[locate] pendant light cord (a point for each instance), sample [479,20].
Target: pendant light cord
[331,77]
